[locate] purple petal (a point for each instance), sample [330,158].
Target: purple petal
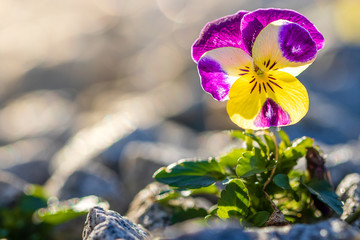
[223,32]
[253,22]
[296,43]
[214,78]
[271,115]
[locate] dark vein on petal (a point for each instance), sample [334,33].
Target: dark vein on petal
[272,78]
[272,65]
[259,88]
[275,84]
[270,87]
[242,74]
[264,87]
[253,87]
[268,62]
[244,70]
[246,66]
[252,81]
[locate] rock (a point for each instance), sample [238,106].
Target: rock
[217,234]
[143,159]
[349,192]
[110,225]
[97,180]
[154,216]
[334,229]
[11,188]
[329,229]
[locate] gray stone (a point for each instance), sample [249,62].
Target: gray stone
[349,192]
[110,225]
[334,229]
[217,234]
[11,188]
[97,180]
[330,229]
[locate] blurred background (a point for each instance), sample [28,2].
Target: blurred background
[96,95]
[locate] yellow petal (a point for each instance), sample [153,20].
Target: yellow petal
[292,96]
[274,99]
[245,102]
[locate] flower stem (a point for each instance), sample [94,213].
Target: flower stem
[272,171]
[248,140]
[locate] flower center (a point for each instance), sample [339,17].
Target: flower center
[262,80]
[258,71]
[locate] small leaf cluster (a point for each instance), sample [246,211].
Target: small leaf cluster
[263,164]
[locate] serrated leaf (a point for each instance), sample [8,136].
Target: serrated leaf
[234,200]
[282,180]
[251,163]
[284,137]
[67,210]
[322,189]
[259,218]
[258,141]
[190,173]
[231,158]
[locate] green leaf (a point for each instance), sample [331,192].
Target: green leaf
[323,190]
[237,134]
[259,218]
[231,158]
[251,163]
[190,173]
[284,137]
[258,141]
[282,180]
[67,210]
[234,200]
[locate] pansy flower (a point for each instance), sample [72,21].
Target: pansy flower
[252,59]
